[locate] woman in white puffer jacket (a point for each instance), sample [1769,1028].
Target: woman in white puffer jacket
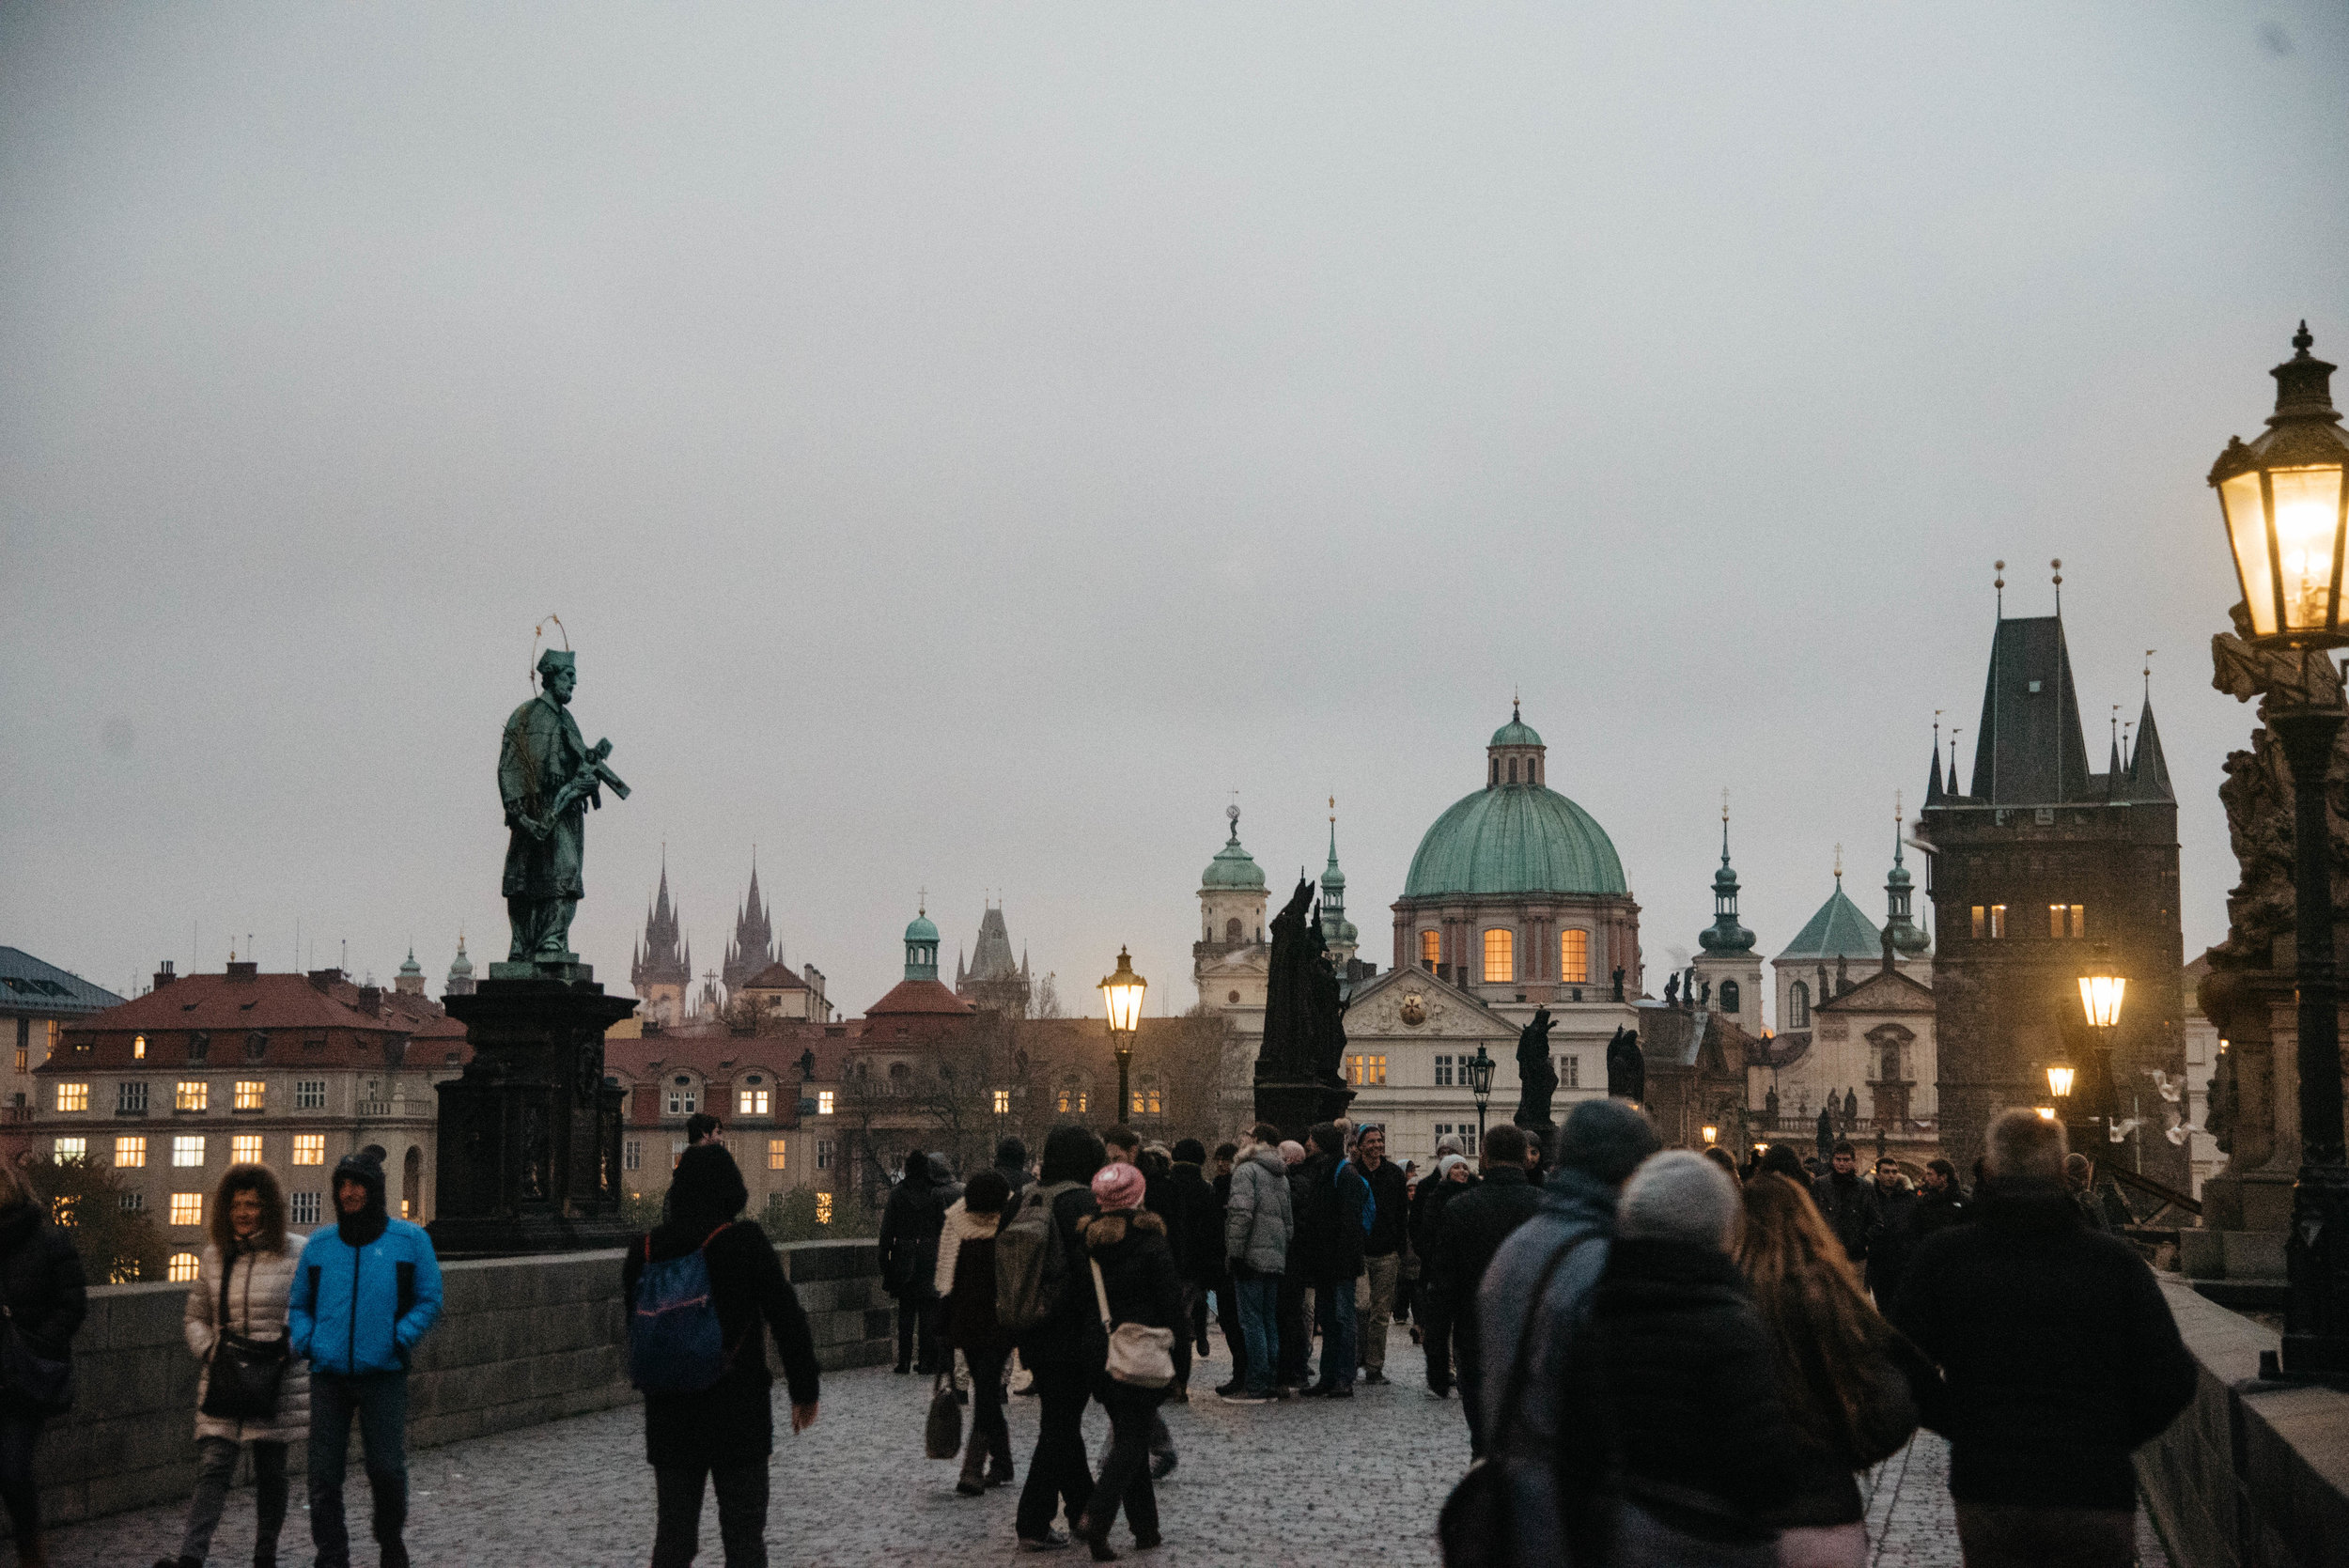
[249,1241]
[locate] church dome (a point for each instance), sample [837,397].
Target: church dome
[1233,867]
[1515,838]
[921,931]
[1517,732]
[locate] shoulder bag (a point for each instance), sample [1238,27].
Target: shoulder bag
[245,1377]
[44,1384]
[1139,1356]
[941,1435]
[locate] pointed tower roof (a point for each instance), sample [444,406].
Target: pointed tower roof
[2029,749]
[1335,928]
[1725,935]
[1838,930]
[410,966]
[2149,771]
[461,967]
[1908,939]
[991,959]
[1933,792]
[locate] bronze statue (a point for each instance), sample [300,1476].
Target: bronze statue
[1537,1078]
[2258,794]
[548,776]
[1627,1069]
[1672,990]
[1304,1035]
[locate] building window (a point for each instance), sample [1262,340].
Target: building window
[824,1161]
[245,1149]
[130,1098]
[1072,1101]
[188,1150]
[1799,1005]
[632,1155]
[1232,929]
[187,1208]
[72,1096]
[1002,1102]
[823,1102]
[1500,955]
[1569,1071]
[133,1202]
[823,1208]
[255,1045]
[683,1102]
[181,1268]
[1982,923]
[1998,922]
[1443,1072]
[1730,995]
[191,1095]
[1465,1131]
[751,1102]
[139,1048]
[304,1208]
[130,1153]
[1431,948]
[199,1046]
[252,1093]
[778,1156]
[309,1148]
[1148,1101]
[1574,957]
[70,1148]
[2067,920]
[1364,1069]
[310,1093]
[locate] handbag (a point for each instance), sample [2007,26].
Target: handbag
[1139,1356]
[941,1435]
[35,1379]
[245,1377]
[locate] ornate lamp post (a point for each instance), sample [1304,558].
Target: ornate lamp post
[2102,991]
[1121,999]
[1480,1075]
[2286,511]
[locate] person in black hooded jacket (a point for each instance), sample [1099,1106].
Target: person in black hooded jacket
[910,1223]
[41,1282]
[1058,1473]
[727,1430]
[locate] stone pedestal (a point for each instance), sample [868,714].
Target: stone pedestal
[529,1135]
[1295,1107]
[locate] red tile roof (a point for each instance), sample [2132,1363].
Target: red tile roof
[774,977]
[243,1001]
[920,996]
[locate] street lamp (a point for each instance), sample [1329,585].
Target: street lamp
[1121,999]
[1711,1132]
[2060,1081]
[2286,510]
[1480,1075]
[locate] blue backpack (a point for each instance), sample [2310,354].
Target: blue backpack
[1370,1197]
[675,1345]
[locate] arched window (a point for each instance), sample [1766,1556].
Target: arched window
[1799,1005]
[1231,930]
[1496,765]
[1574,957]
[1500,955]
[1729,996]
[1431,948]
[1512,770]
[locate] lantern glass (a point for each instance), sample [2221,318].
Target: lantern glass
[2100,997]
[2246,530]
[1480,1069]
[1711,1134]
[2285,526]
[1121,996]
[2059,1082]
[2046,1113]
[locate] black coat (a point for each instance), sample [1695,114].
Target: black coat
[1470,1230]
[1330,1224]
[908,1235]
[40,1279]
[2059,1352]
[1682,1367]
[1059,1339]
[1200,1258]
[731,1420]
[1139,1276]
[1428,1206]
[1389,1227]
[1934,1212]
[1849,1207]
[1889,1242]
[1305,1242]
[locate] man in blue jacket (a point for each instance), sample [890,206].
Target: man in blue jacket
[367,1289]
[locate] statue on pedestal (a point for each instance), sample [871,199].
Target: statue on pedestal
[548,776]
[1627,1069]
[1299,1076]
[1537,1077]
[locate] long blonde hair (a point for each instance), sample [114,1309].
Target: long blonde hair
[1825,1337]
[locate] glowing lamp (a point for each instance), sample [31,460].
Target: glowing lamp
[1121,996]
[2286,509]
[2046,1113]
[1711,1133]
[2059,1082]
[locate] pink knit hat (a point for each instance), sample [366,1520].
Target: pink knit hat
[1117,1186]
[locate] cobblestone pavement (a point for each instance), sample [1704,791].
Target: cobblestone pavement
[1261,1485]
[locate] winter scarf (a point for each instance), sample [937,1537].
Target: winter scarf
[961,1225]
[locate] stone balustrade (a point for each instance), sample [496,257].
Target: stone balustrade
[521,1341]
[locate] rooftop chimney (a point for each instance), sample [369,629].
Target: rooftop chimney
[320,979]
[243,971]
[164,976]
[371,1000]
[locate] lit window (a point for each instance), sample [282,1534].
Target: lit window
[1574,957]
[72,1148]
[130,1153]
[751,1102]
[138,1047]
[309,1148]
[245,1148]
[252,1093]
[1364,1069]
[1443,1072]
[187,1151]
[776,1154]
[632,1155]
[304,1208]
[823,1102]
[1147,1101]
[1998,920]
[72,1096]
[1500,955]
[823,1208]
[310,1093]
[187,1208]
[1431,948]
[823,1154]
[182,1269]
[130,1098]
[1002,1102]
[1982,924]
[2079,920]
[191,1095]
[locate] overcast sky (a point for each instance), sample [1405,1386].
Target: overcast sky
[967,445]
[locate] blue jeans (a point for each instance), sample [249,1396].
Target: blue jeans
[1333,1310]
[1259,1299]
[379,1400]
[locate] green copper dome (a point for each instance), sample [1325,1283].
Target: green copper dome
[1233,867]
[1517,732]
[1838,930]
[921,931]
[1515,838]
